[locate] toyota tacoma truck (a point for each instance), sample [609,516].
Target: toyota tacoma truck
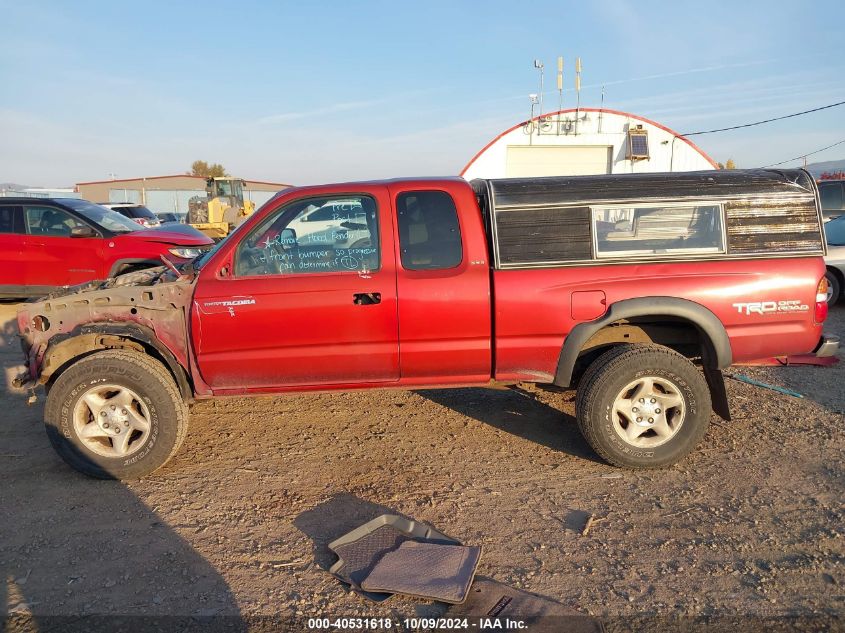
[636,290]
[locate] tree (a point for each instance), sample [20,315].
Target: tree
[202,168]
[730,164]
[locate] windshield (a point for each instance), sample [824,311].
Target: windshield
[224,187]
[106,218]
[136,212]
[199,262]
[835,231]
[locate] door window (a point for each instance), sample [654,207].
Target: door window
[11,220]
[49,221]
[331,234]
[429,233]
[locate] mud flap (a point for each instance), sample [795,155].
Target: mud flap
[718,392]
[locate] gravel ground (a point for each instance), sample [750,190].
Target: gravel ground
[749,525]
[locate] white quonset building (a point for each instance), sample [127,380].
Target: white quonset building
[595,141]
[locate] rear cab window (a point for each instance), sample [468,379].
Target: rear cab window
[429,231]
[327,234]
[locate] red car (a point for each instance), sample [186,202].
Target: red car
[46,243]
[636,290]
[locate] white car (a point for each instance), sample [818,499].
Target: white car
[835,260]
[135,212]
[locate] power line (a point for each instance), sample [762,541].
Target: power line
[780,118]
[805,155]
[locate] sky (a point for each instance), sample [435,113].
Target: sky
[309,92]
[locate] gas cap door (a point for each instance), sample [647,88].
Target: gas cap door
[588,305]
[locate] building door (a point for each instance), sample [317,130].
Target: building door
[556,160]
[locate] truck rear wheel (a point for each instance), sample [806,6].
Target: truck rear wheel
[642,406]
[116,414]
[833,287]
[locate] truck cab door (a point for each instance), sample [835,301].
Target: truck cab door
[296,303]
[443,278]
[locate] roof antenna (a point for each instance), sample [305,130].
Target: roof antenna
[577,91]
[559,91]
[539,66]
[601,108]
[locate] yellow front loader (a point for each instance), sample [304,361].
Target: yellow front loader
[222,209]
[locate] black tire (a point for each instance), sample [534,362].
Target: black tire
[835,287]
[617,368]
[159,402]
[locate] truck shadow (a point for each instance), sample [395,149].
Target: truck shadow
[75,552]
[519,413]
[78,552]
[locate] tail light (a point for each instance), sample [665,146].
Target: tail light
[821,301]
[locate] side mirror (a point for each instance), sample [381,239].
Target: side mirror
[83,231]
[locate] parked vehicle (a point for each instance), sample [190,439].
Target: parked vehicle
[620,286]
[832,194]
[135,212]
[835,259]
[169,218]
[47,243]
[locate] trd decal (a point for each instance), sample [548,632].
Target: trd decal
[771,307]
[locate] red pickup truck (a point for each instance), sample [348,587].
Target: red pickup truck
[635,289]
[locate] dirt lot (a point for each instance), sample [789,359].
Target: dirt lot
[751,524]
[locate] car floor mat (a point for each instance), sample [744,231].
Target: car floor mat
[360,550]
[433,571]
[488,598]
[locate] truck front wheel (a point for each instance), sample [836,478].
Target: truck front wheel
[116,414]
[643,406]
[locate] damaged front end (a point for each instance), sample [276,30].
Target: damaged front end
[144,310]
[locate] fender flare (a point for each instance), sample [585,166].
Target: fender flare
[140,334]
[707,323]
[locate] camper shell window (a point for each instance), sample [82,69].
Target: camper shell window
[654,229]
